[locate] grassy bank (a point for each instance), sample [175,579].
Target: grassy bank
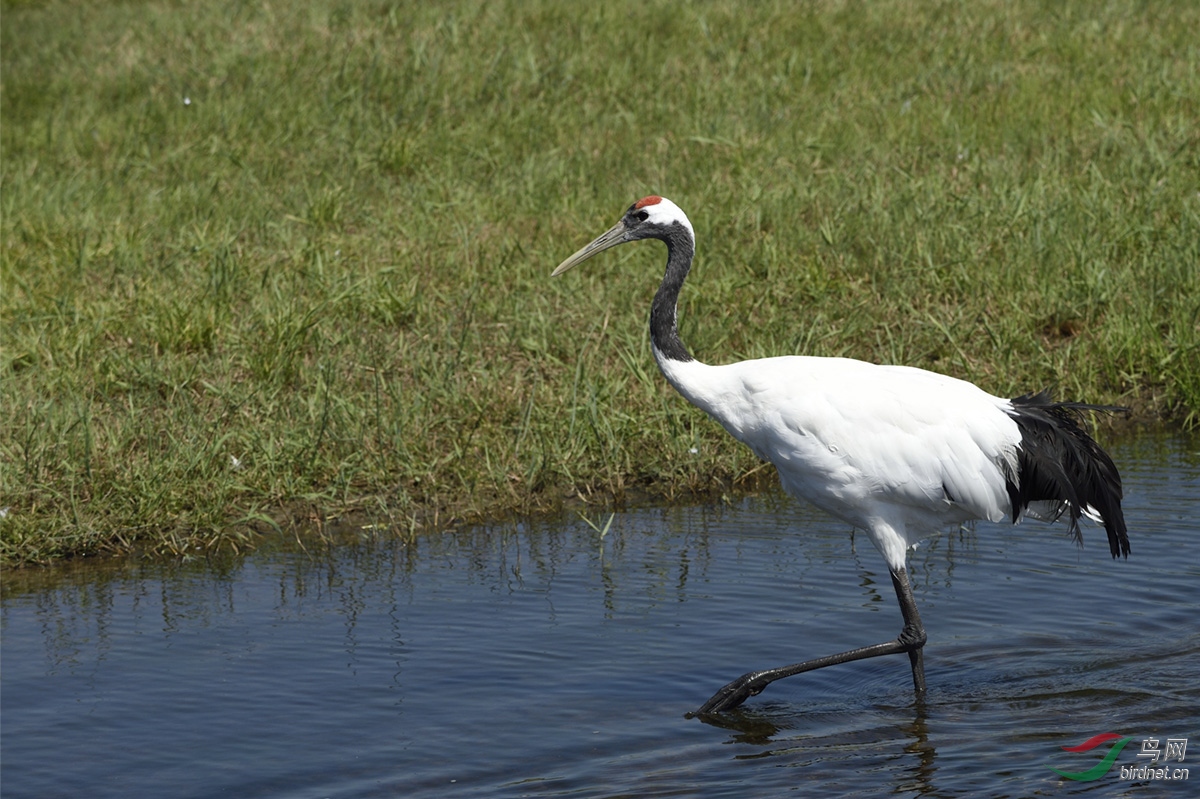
[268,262]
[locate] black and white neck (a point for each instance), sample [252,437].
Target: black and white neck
[659,218]
[664,330]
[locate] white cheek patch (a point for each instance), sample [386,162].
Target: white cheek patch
[664,213]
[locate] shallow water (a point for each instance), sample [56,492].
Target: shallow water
[547,660]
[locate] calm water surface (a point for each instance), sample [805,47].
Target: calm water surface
[545,660]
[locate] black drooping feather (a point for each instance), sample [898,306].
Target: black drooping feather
[1059,462]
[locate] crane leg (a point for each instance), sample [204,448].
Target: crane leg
[910,640]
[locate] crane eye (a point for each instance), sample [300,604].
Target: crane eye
[641,216]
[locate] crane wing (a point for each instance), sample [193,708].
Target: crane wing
[863,441]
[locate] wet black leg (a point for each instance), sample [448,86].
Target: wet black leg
[910,640]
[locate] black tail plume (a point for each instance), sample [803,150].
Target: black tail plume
[1059,462]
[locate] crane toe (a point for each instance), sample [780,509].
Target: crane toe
[733,694]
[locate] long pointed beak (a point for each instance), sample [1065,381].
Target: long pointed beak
[610,238]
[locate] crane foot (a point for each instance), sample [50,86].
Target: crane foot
[733,694]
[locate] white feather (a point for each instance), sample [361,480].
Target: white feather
[897,451]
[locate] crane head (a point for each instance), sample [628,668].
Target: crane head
[651,217]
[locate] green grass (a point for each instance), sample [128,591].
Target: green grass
[266,262]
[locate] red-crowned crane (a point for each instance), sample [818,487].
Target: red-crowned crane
[897,451]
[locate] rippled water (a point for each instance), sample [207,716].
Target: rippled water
[547,660]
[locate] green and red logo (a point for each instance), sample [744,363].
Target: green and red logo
[1100,769]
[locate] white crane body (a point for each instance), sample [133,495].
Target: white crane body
[896,451]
